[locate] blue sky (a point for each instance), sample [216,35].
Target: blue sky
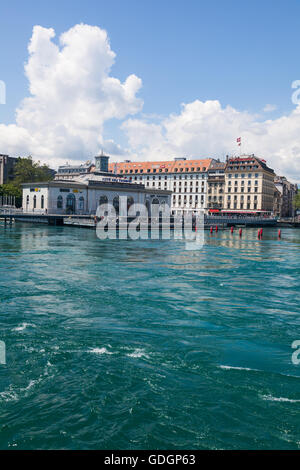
[241,53]
[244,53]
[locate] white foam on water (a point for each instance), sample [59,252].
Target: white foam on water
[282,399]
[9,395]
[23,327]
[138,353]
[14,394]
[237,368]
[99,351]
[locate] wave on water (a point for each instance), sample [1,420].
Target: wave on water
[282,399]
[138,353]
[23,327]
[14,394]
[99,351]
[237,368]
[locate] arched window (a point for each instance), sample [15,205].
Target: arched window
[81,203]
[71,203]
[155,201]
[103,200]
[116,204]
[34,201]
[59,202]
[27,200]
[42,202]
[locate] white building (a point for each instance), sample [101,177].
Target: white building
[186,179]
[75,197]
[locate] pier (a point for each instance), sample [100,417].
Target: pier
[8,215]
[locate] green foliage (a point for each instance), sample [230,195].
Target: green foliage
[297,200]
[25,171]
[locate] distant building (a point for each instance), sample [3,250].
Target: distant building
[284,195]
[84,192]
[187,179]
[7,165]
[215,187]
[69,172]
[249,186]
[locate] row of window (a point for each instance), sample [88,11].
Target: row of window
[242,198]
[165,170]
[166,178]
[249,189]
[35,201]
[242,175]
[242,206]
[243,182]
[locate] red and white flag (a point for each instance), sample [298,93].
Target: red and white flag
[239,141]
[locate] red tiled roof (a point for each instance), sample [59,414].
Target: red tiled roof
[164,166]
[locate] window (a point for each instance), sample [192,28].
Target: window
[71,203]
[42,202]
[81,203]
[34,201]
[59,202]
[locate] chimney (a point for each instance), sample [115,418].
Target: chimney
[101,162]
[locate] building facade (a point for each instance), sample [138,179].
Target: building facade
[285,193]
[70,172]
[186,179]
[249,186]
[66,197]
[7,165]
[83,192]
[215,187]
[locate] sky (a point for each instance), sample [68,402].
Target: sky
[151,80]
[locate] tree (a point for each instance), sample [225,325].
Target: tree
[297,201]
[12,190]
[25,171]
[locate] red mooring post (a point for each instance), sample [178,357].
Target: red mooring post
[240,232]
[261,233]
[216,228]
[231,229]
[258,233]
[279,233]
[211,230]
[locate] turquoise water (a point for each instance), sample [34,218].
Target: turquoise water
[144,345]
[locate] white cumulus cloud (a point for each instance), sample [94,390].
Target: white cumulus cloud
[204,129]
[72,95]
